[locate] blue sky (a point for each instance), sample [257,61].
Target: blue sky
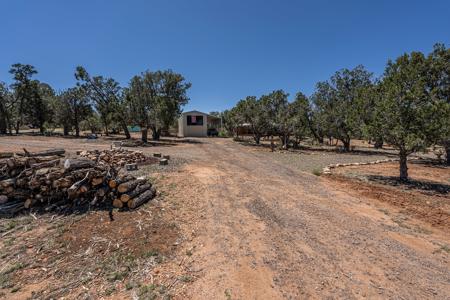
[226,49]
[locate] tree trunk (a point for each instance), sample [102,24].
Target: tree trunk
[378,143]
[66,130]
[3,123]
[346,143]
[284,138]
[447,152]
[77,129]
[124,126]
[144,134]
[403,166]
[17,127]
[156,134]
[257,138]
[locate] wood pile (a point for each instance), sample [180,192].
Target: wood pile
[115,157]
[48,181]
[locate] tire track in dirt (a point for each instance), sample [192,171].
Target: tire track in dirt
[274,232]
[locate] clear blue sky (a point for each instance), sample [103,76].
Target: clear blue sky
[227,49]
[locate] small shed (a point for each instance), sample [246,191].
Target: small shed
[193,124]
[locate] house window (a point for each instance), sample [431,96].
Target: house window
[195,120]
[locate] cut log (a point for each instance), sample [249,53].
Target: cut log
[97,180]
[7,183]
[48,152]
[129,185]
[29,202]
[6,154]
[117,203]
[72,191]
[74,164]
[131,167]
[137,191]
[113,183]
[142,198]
[3,199]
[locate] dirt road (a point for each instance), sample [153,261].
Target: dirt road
[246,223]
[270,231]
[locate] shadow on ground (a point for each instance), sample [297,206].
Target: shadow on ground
[423,185]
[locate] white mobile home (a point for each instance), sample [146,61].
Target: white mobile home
[193,124]
[197,124]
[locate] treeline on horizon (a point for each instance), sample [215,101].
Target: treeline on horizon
[152,100]
[408,107]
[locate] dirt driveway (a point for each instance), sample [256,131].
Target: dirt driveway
[267,230]
[252,224]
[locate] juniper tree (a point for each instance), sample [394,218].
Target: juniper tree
[405,108]
[107,96]
[339,101]
[438,80]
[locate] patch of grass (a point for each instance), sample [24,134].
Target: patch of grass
[147,292]
[110,290]
[420,229]
[129,285]
[10,225]
[151,253]
[117,275]
[385,211]
[317,172]
[185,278]
[9,242]
[445,248]
[228,294]
[5,281]
[15,267]
[15,289]
[189,252]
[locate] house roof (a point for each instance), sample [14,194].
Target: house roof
[194,111]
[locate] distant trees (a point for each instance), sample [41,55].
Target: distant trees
[300,118]
[155,100]
[408,107]
[6,109]
[438,85]
[73,108]
[252,111]
[29,99]
[107,97]
[24,90]
[340,102]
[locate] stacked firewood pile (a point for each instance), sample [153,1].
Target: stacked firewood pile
[115,157]
[46,180]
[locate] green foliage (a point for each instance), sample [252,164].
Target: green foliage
[339,104]
[406,108]
[299,118]
[6,109]
[107,96]
[155,99]
[73,107]
[438,81]
[252,111]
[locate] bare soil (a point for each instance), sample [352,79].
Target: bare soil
[235,222]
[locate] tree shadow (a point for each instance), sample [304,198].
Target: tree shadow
[423,185]
[329,149]
[431,163]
